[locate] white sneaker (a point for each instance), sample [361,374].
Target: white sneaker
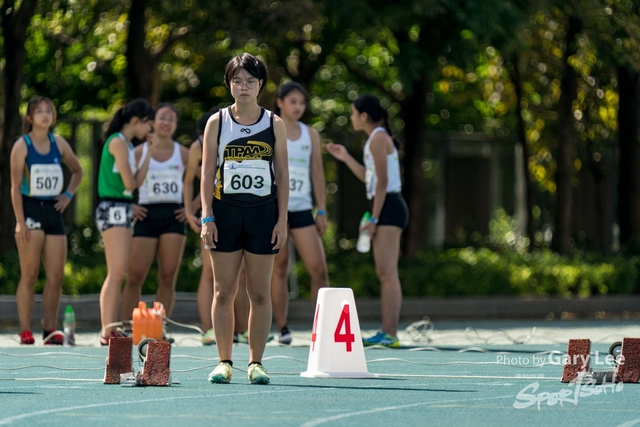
[221,374]
[257,374]
[284,336]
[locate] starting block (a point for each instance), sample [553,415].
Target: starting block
[336,349]
[155,356]
[628,370]
[119,359]
[626,356]
[578,359]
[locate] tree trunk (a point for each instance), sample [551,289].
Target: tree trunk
[566,145]
[414,109]
[142,70]
[15,23]
[516,78]
[628,140]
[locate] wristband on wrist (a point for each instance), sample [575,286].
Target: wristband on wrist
[69,195]
[373,220]
[321,212]
[207,219]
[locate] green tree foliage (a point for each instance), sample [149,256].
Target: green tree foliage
[492,67]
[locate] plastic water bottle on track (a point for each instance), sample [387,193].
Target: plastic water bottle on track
[364,239]
[69,327]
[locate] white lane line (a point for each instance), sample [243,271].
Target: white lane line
[9,420]
[317,422]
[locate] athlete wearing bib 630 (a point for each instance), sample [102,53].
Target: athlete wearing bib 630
[38,202]
[245,217]
[389,213]
[118,178]
[306,177]
[159,229]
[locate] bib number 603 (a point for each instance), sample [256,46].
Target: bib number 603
[246,182]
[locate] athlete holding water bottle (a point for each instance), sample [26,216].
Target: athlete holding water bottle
[389,213]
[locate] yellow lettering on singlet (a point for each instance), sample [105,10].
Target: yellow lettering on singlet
[254,150]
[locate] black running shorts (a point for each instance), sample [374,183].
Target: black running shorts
[248,228]
[394,211]
[300,219]
[161,219]
[42,215]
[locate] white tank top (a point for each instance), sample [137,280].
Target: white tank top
[394,183]
[163,183]
[299,152]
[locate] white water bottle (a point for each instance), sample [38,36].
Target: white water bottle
[364,239]
[69,327]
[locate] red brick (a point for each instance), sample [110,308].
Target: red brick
[578,352]
[628,370]
[156,367]
[118,360]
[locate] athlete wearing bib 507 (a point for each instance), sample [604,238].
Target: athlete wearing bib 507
[243,188]
[389,213]
[39,198]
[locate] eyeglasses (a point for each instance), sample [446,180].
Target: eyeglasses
[251,83]
[42,112]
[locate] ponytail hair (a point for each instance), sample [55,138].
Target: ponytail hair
[139,108]
[285,90]
[27,122]
[370,104]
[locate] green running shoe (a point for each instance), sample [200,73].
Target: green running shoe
[209,337]
[382,338]
[221,374]
[257,374]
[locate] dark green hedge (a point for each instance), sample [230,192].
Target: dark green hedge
[449,272]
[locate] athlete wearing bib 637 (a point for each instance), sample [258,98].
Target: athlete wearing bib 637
[159,228]
[39,198]
[306,178]
[245,154]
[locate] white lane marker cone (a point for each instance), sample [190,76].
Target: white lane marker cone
[336,343]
